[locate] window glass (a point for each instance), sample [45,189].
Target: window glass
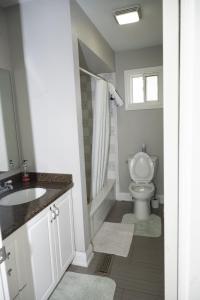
[143,88]
[138,89]
[152,88]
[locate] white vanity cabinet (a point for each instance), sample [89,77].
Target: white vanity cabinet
[51,242]
[40,251]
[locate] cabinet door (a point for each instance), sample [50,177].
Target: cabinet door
[18,265]
[64,232]
[11,269]
[42,254]
[23,263]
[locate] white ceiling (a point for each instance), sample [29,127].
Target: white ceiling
[146,33]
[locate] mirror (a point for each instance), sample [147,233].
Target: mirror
[9,146]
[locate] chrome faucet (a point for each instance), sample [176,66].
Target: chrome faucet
[7,186]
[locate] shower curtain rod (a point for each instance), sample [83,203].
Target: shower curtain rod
[113,93]
[91,74]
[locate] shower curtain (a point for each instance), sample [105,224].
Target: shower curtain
[101,136]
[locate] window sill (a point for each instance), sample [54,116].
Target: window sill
[143,106]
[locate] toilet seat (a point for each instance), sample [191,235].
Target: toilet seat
[141,168]
[142,191]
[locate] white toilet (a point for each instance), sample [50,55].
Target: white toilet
[142,168]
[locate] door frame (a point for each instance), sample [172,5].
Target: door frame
[189,204]
[171,144]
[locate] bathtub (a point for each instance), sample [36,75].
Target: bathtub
[101,205]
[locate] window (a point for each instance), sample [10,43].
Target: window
[143,88]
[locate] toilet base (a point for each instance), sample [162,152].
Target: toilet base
[142,209]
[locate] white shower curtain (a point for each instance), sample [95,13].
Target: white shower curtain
[101,136]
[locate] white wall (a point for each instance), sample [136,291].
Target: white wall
[51,105]
[91,37]
[139,126]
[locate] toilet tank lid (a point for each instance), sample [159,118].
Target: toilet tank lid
[141,167]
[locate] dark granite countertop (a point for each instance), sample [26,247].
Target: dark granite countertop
[13,217]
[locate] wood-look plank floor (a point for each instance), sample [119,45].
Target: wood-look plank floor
[140,276]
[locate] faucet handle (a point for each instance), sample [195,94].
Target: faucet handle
[8,183]
[25,163]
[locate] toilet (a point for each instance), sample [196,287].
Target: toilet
[142,168]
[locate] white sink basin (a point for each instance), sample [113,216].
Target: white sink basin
[22,196]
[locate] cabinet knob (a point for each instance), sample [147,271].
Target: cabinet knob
[25,285]
[53,214]
[57,210]
[9,272]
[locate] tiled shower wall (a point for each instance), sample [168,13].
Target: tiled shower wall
[86,95]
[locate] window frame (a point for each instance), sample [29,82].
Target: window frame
[144,72]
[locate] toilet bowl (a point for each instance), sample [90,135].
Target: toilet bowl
[142,170]
[142,194]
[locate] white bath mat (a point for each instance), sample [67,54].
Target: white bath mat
[114,238]
[149,228]
[76,286]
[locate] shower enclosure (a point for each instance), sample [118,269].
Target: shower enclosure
[87,117]
[99,132]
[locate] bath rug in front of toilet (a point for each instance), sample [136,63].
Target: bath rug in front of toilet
[114,238]
[76,286]
[149,228]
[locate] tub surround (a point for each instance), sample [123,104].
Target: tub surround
[100,206]
[13,217]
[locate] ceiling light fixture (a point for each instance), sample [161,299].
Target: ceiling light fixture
[128,15]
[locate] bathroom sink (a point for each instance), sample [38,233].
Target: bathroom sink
[22,196]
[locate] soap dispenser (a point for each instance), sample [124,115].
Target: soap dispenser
[25,176]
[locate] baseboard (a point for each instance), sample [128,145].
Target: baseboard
[83,259]
[123,197]
[160,198]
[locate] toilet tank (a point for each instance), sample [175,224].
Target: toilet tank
[155,163]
